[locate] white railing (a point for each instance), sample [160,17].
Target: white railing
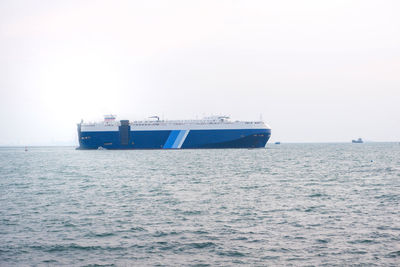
[169,122]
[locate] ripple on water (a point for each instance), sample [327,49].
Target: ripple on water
[296,204]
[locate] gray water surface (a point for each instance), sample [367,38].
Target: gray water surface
[289,204]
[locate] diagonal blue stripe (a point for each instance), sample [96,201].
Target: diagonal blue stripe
[171,139]
[178,139]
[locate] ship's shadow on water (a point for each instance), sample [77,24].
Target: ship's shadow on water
[288,204]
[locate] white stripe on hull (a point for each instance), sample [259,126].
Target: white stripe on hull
[170,127]
[180,142]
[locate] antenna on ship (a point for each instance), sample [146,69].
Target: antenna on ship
[155,117]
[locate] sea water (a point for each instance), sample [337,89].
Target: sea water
[288,204]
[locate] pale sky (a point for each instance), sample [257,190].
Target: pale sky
[317,71]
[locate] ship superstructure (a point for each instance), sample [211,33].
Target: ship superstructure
[210,132]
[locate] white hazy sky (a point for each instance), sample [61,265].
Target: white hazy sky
[317,71]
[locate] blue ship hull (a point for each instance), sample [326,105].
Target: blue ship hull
[167,139]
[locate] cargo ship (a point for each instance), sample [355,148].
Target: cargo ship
[210,132]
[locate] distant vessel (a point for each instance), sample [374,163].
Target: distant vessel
[358,141]
[277,143]
[210,132]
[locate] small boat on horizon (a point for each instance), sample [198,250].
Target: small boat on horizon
[358,141]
